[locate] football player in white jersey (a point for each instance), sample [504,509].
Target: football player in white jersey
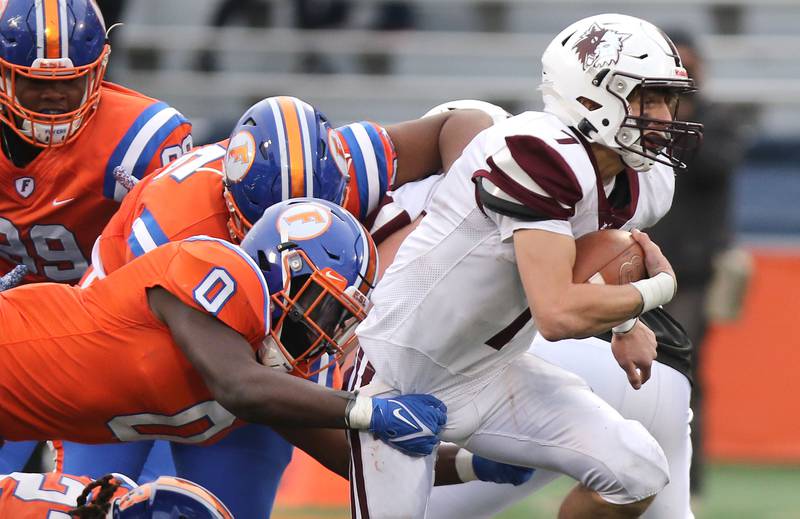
[662,405]
[455,312]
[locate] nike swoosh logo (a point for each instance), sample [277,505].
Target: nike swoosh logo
[57,203]
[397,414]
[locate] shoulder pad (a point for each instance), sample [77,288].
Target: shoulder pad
[530,179]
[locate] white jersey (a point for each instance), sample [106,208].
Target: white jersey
[451,308]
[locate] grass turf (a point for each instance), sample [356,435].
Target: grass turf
[732,492]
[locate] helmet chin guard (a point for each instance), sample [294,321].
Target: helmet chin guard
[590,72]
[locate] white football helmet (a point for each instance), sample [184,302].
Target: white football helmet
[495,112]
[588,73]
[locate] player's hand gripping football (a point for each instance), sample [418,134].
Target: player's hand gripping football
[654,259]
[635,352]
[410,423]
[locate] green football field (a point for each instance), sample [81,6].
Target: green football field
[733,492]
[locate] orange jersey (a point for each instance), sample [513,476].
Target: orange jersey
[94,365]
[185,198]
[44,496]
[54,208]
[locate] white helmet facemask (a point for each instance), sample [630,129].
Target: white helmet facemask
[589,72]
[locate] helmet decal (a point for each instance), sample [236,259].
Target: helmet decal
[240,156]
[291,152]
[341,157]
[599,47]
[303,221]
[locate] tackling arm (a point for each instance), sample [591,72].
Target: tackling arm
[330,448]
[258,394]
[229,368]
[430,144]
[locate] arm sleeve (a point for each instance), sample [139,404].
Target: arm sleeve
[157,136]
[372,164]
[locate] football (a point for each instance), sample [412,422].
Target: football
[610,256]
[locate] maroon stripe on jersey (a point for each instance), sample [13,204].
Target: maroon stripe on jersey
[546,167]
[505,335]
[390,227]
[369,221]
[611,216]
[549,208]
[357,484]
[351,377]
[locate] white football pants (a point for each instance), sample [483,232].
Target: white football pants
[532,414]
[661,405]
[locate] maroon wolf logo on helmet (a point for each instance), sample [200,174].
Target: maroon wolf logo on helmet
[599,47]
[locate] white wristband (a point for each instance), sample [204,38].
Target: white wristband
[625,327]
[464,467]
[359,413]
[656,291]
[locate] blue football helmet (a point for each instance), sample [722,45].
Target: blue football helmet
[320,265]
[51,40]
[280,148]
[169,498]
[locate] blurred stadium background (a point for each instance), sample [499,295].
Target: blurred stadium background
[489,50]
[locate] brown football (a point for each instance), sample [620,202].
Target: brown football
[611,254]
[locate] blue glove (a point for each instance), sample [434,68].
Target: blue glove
[410,423]
[496,472]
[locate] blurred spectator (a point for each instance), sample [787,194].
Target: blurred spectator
[698,226]
[256,13]
[311,15]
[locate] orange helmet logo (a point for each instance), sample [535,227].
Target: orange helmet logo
[240,156]
[304,221]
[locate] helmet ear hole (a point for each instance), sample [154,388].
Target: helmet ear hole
[589,103]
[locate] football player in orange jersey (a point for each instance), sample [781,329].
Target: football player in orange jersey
[56,495]
[281,147]
[63,130]
[170,345]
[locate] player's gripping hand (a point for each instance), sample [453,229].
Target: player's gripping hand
[496,472]
[635,352]
[654,260]
[410,423]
